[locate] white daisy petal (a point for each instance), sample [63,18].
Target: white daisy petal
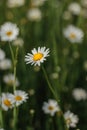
[73,34]
[71,119]
[34,14]
[50,107]
[9,31]
[15,3]
[20,97]
[7,101]
[37,57]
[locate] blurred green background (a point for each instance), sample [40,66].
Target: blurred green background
[66,67]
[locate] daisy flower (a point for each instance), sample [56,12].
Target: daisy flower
[74,8]
[2,55]
[7,101]
[50,107]
[9,80]
[15,3]
[20,97]
[9,31]
[37,57]
[1,129]
[5,64]
[34,14]
[37,3]
[85,65]
[79,94]
[71,119]
[84,3]
[18,42]
[73,34]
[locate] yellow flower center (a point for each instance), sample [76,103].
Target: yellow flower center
[50,107]
[10,82]
[9,33]
[37,56]
[68,121]
[7,102]
[18,98]
[72,35]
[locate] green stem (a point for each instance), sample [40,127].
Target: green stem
[12,54]
[14,61]
[1,117]
[14,87]
[53,92]
[15,118]
[15,64]
[50,86]
[15,109]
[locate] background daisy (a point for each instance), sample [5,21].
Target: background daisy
[9,31]
[50,107]
[73,34]
[7,101]
[20,97]
[71,119]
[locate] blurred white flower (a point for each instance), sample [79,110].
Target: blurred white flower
[9,80]
[31,92]
[65,51]
[84,3]
[79,94]
[50,107]
[58,68]
[20,97]
[73,34]
[5,64]
[71,119]
[32,111]
[36,68]
[84,12]
[74,8]
[7,101]
[85,65]
[15,3]
[34,14]
[54,75]
[18,42]
[67,15]
[2,54]
[76,54]
[37,57]
[37,3]
[9,31]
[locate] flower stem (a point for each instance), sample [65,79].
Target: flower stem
[1,117]
[15,109]
[12,53]
[15,64]
[50,86]
[53,92]
[14,61]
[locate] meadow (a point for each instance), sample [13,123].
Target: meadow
[43,64]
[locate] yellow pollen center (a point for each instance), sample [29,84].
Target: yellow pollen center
[9,33]
[10,82]
[50,107]
[18,98]
[7,102]
[72,35]
[37,56]
[68,121]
